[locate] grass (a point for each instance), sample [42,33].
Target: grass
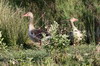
[79,55]
[14,29]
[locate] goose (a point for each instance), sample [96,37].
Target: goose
[76,35]
[36,35]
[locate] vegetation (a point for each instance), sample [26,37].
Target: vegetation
[17,49]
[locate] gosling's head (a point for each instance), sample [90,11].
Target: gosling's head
[73,19]
[29,14]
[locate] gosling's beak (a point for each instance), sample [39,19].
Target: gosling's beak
[76,20]
[25,15]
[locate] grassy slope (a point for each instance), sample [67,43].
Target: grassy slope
[79,55]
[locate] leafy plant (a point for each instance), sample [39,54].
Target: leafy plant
[58,44]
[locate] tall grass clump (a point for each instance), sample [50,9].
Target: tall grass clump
[38,7]
[91,19]
[14,28]
[2,44]
[69,9]
[86,11]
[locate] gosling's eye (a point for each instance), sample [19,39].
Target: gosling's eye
[75,30]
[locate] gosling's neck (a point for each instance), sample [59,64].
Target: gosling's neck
[73,26]
[31,25]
